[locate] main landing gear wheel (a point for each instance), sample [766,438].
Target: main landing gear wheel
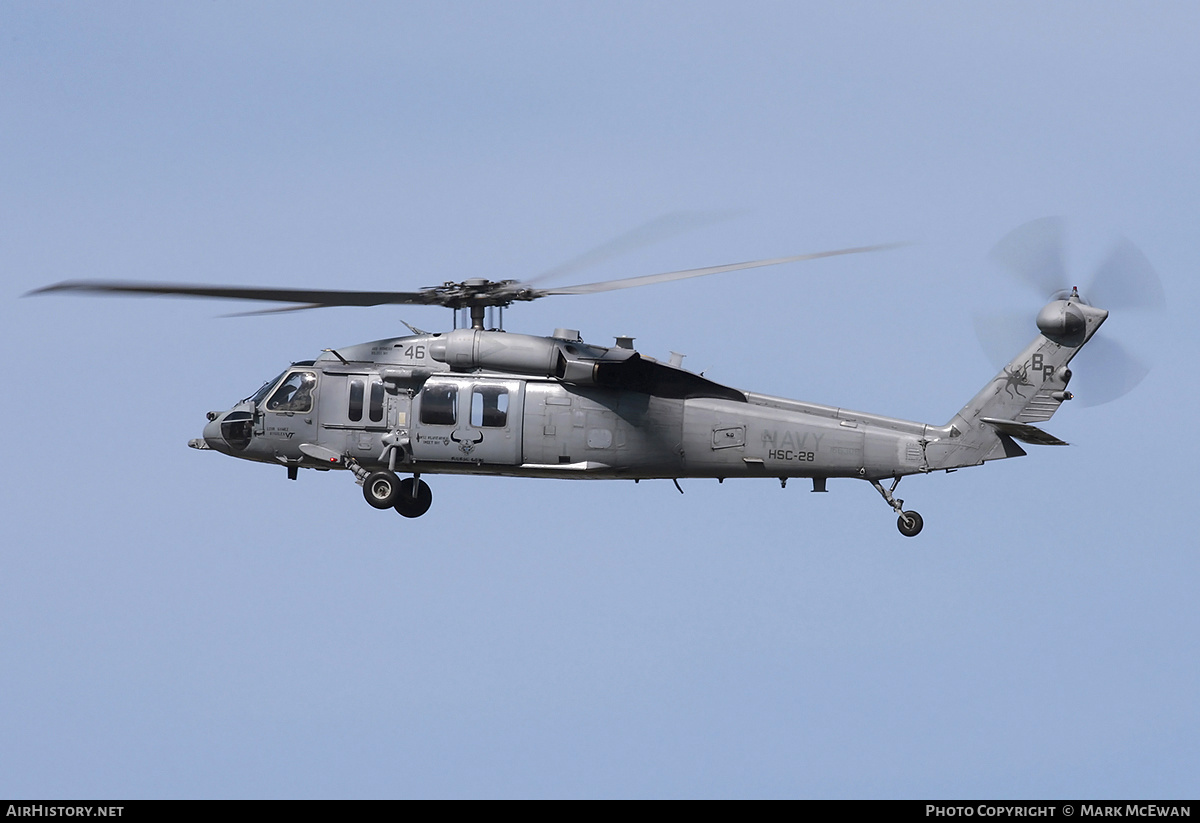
[414,499]
[909,524]
[381,489]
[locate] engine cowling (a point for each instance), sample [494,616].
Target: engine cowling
[575,362]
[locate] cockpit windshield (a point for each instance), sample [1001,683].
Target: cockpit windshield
[263,390]
[295,393]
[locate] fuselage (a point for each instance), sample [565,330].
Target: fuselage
[393,404]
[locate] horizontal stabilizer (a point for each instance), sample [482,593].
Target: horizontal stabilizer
[1023,432]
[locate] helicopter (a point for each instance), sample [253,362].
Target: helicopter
[480,400]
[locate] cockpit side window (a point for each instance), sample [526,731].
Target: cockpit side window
[294,393]
[438,402]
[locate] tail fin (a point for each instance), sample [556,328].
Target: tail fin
[1026,391]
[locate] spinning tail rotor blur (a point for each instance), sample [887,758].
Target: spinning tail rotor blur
[1034,254]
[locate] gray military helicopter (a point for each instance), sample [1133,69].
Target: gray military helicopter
[484,401]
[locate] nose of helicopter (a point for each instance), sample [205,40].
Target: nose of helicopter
[211,438]
[225,432]
[212,435]
[228,432]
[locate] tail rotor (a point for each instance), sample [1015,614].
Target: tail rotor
[1034,255]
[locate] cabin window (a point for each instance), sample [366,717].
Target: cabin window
[437,404]
[489,407]
[376,412]
[294,394]
[356,400]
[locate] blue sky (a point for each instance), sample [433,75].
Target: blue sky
[179,624]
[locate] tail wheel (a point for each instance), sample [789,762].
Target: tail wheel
[381,489]
[909,524]
[414,499]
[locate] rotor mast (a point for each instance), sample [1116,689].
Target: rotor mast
[477,295]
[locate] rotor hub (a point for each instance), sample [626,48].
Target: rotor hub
[1062,322]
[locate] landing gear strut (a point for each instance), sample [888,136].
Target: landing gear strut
[909,523]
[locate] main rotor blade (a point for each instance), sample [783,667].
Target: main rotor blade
[277,310]
[312,298]
[646,280]
[659,229]
[1033,252]
[453,295]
